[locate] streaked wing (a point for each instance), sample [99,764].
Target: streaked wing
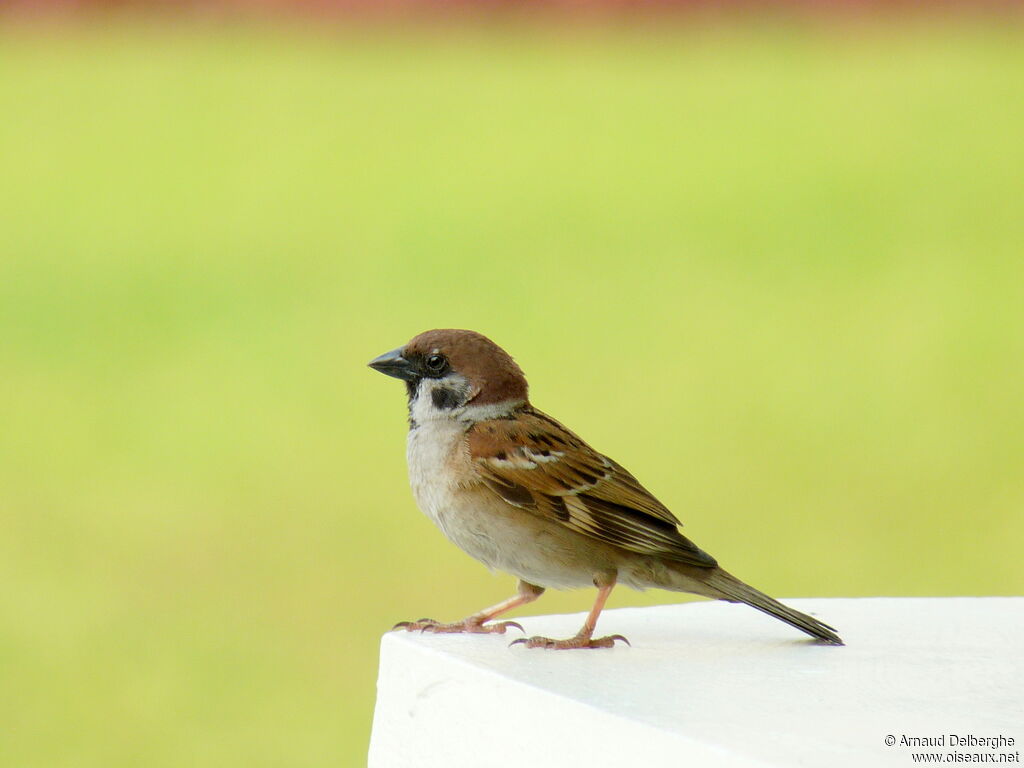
[536,464]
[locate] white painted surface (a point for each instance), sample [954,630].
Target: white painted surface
[708,685]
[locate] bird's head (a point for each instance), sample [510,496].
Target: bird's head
[450,373]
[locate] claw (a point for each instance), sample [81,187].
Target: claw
[469,626]
[411,626]
[500,627]
[533,642]
[572,642]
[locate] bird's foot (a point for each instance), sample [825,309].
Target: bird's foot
[580,641]
[470,625]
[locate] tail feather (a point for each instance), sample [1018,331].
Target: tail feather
[734,590]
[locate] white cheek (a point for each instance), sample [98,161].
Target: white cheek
[423,408]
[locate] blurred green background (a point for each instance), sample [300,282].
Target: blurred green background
[795,248]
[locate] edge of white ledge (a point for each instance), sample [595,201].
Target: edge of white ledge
[708,684]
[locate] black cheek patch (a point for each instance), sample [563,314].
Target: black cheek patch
[444,398]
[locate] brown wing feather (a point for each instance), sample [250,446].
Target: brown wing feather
[538,465]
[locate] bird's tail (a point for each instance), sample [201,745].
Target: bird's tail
[734,590]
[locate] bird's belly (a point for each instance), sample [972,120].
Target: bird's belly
[487,528]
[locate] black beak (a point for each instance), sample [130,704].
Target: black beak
[393,364]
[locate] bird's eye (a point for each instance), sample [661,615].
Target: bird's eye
[436,363]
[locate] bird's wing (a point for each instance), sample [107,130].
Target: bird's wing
[538,465]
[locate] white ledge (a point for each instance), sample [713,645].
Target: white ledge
[708,684]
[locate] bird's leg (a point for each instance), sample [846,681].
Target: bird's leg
[476,623]
[585,637]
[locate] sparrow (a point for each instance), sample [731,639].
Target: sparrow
[523,494]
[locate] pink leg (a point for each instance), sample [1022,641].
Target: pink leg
[476,623]
[583,638]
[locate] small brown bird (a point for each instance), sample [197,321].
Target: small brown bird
[522,494]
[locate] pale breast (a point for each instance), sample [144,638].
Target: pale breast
[480,523]
[434,451]
[472,517]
